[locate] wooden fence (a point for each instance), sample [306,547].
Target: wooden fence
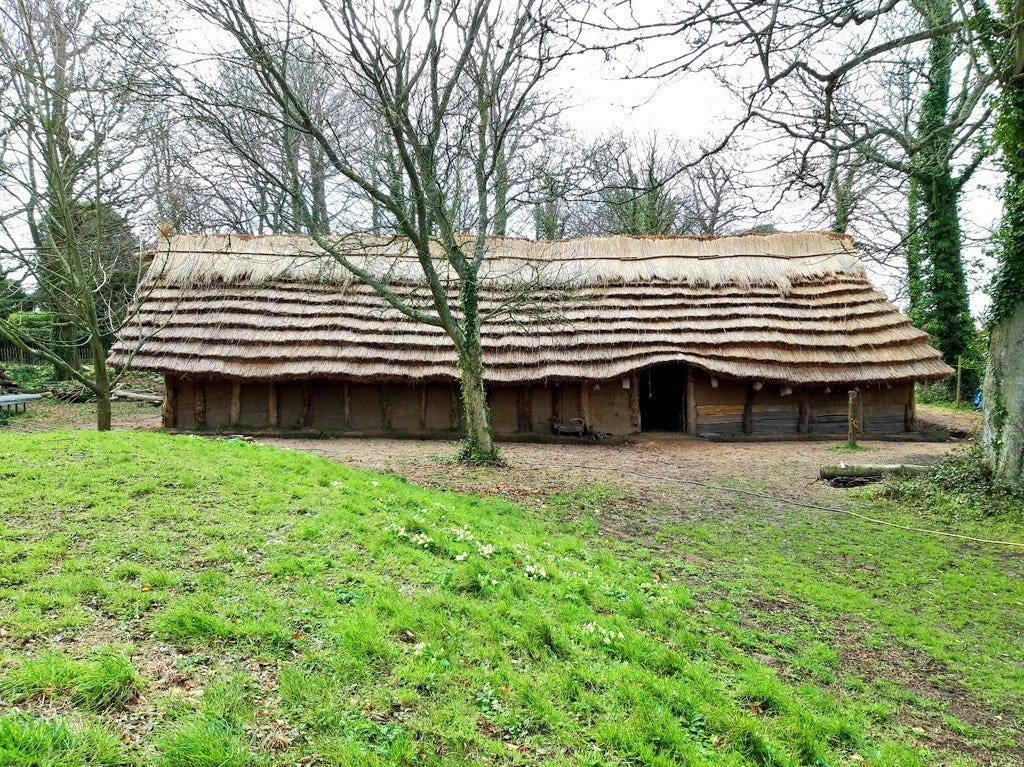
[14,356]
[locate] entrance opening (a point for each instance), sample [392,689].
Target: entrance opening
[662,398]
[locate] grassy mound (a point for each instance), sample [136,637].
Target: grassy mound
[181,601]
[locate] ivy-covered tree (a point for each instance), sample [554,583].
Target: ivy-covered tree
[1004,378]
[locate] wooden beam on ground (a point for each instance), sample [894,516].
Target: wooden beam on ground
[877,471]
[199,395]
[236,402]
[691,403]
[273,412]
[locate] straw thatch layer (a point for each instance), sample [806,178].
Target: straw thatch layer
[791,308]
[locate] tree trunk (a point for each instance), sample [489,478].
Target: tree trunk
[479,444]
[1003,398]
[101,377]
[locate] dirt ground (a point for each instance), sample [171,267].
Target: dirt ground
[787,468]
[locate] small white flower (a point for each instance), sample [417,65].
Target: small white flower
[419,648]
[485,549]
[461,557]
[375,483]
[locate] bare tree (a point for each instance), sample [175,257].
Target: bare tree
[67,111]
[438,91]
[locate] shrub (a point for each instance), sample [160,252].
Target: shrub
[960,484]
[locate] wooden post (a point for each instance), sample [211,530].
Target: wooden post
[236,402]
[273,416]
[423,407]
[556,402]
[199,394]
[748,410]
[346,403]
[851,419]
[910,412]
[170,408]
[691,404]
[861,420]
[307,405]
[385,406]
[585,404]
[455,408]
[959,378]
[524,409]
[803,423]
[634,402]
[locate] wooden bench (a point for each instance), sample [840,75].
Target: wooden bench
[10,403]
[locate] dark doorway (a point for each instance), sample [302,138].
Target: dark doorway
[662,395]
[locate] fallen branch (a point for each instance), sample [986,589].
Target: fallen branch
[876,471]
[136,396]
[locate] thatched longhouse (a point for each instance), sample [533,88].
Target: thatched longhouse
[759,334]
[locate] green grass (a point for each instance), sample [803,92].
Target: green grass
[269,606]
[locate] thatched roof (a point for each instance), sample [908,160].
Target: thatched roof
[791,308]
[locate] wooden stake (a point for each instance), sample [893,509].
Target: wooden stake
[691,403]
[273,416]
[199,395]
[851,419]
[236,402]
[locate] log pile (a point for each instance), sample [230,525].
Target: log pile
[6,384]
